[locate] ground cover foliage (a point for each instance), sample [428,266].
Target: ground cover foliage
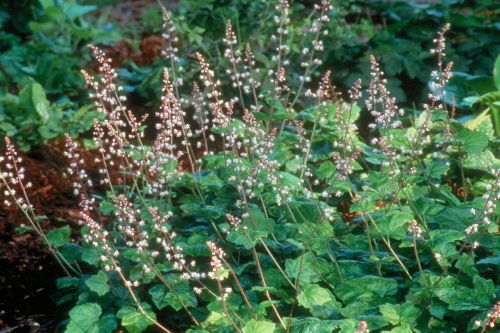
[259,206]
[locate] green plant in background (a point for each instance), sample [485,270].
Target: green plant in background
[469,91]
[42,93]
[259,207]
[477,92]
[30,118]
[402,31]
[398,32]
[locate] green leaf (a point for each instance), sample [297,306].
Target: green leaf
[368,288]
[436,169]
[390,312]
[496,72]
[215,319]
[443,241]
[405,328]
[74,10]
[460,298]
[243,238]
[438,309]
[183,293]
[312,325]
[133,320]
[473,142]
[71,252]
[107,324]
[46,3]
[288,179]
[40,102]
[60,236]
[304,268]
[490,261]
[254,326]
[466,264]
[66,282]
[400,218]
[257,226]
[49,132]
[107,207]
[212,182]
[476,122]
[327,310]
[305,211]
[194,209]
[325,170]
[313,295]
[90,255]
[484,161]
[406,313]
[8,129]
[294,165]
[158,294]
[257,217]
[84,319]
[98,283]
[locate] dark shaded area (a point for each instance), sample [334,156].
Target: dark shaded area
[27,282]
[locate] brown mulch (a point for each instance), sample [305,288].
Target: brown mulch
[150,48]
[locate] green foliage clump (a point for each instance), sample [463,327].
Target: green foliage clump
[42,49]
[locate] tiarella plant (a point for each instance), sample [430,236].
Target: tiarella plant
[259,207]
